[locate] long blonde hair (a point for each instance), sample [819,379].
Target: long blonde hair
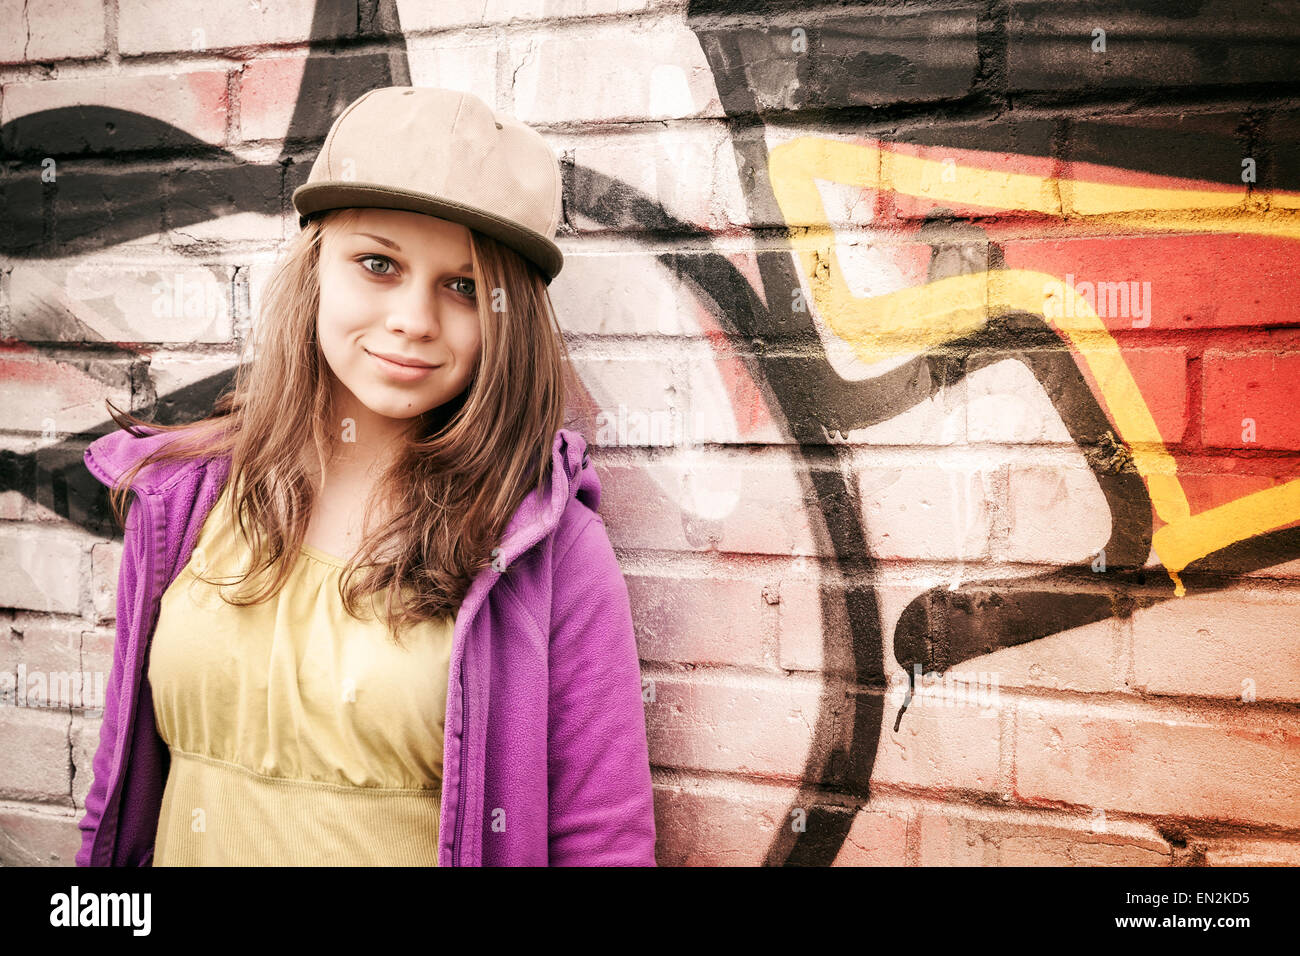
[461,472]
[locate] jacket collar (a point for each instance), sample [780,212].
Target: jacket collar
[572,476]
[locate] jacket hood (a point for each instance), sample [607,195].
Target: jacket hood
[572,476]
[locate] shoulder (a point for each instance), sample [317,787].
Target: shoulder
[110,456]
[575,529]
[585,567]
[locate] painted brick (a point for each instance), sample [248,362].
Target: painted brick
[636,400]
[23,215]
[1049,46]
[47,483]
[650,165]
[36,767]
[1279,569]
[728,406]
[756,726]
[703,618]
[1246,851]
[620,293]
[1278,149]
[939,746]
[37,837]
[1242,768]
[804,625]
[68,116]
[932,513]
[1009,404]
[981,177]
[105,566]
[43,33]
[1211,644]
[110,300]
[16,502]
[83,738]
[39,567]
[1222,479]
[97,660]
[966,161]
[415,15]
[1057,515]
[230,204]
[43,668]
[269,89]
[1259,386]
[698,825]
[1252,281]
[198,378]
[815,622]
[966,837]
[1196,152]
[93,209]
[460,62]
[583,77]
[764,727]
[1006,403]
[277,92]
[914,512]
[689,504]
[917,55]
[875,839]
[739,822]
[847,202]
[1161,376]
[62,396]
[658,292]
[189,26]
[1091,658]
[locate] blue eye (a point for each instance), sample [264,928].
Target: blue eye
[470,294]
[380,259]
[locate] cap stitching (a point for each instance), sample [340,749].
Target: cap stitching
[338,123]
[460,106]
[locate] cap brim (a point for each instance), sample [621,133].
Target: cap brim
[311,198]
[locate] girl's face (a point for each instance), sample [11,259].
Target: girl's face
[400,284]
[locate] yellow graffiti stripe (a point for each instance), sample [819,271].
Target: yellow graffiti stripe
[1180,543]
[1109,204]
[924,316]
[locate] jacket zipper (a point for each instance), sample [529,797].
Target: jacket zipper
[460,789]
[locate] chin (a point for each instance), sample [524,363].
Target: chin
[400,414]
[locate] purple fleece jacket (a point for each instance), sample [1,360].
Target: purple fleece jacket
[545,755]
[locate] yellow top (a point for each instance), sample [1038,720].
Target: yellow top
[299,735]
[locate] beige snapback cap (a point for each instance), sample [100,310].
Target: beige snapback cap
[444,153]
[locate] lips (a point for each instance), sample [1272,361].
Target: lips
[402,360]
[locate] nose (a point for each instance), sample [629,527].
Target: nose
[414,312]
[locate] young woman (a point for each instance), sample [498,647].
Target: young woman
[368,613]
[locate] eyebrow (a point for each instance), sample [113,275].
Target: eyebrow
[467,267]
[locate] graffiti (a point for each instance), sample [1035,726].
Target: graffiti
[946,309]
[963,291]
[963,314]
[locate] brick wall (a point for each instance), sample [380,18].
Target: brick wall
[952,339]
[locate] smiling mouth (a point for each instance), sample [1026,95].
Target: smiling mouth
[419,367]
